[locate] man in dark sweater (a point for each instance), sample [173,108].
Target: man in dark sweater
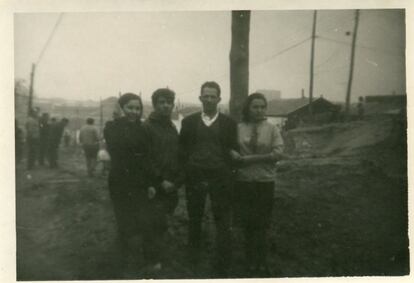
[206,139]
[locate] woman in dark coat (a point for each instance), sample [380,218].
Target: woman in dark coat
[129,178]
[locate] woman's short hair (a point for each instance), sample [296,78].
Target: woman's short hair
[246,106]
[90,121]
[127,97]
[162,92]
[211,85]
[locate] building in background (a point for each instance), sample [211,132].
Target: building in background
[291,113]
[270,94]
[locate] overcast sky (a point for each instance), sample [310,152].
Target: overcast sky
[96,55]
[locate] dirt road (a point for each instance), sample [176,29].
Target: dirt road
[335,215]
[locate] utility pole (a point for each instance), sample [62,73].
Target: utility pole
[239,61]
[77,116]
[100,117]
[30,105]
[351,68]
[312,63]
[78,125]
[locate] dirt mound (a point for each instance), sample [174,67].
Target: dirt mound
[343,213]
[338,138]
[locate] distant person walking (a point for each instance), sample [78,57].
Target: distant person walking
[89,139]
[261,147]
[361,108]
[55,136]
[104,158]
[66,137]
[44,134]
[206,140]
[32,138]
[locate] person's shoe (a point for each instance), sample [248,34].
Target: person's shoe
[157,267]
[152,271]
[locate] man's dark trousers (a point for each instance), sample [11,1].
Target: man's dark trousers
[43,150]
[53,156]
[32,151]
[218,186]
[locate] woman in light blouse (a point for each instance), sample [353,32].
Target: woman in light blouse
[261,147]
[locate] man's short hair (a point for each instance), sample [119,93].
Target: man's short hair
[211,84]
[162,92]
[90,121]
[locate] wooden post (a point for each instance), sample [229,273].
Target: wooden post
[312,64]
[100,117]
[239,62]
[30,105]
[351,68]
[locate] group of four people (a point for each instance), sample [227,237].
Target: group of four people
[212,155]
[43,138]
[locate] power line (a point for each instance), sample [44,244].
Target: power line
[281,52]
[50,37]
[333,21]
[300,31]
[329,58]
[330,69]
[360,46]
[293,37]
[271,57]
[295,34]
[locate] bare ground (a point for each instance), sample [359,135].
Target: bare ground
[336,213]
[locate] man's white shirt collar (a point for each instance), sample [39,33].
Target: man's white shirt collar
[207,120]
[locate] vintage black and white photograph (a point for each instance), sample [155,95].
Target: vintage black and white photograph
[210,144]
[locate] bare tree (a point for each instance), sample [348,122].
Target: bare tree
[239,61]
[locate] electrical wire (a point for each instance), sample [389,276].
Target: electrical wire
[361,46]
[335,52]
[50,37]
[271,57]
[280,52]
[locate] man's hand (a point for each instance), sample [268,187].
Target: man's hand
[151,192]
[167,186]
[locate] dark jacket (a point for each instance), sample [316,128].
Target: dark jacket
[187,140]
[162,138]
[44,130]
[55,133]
[128,148]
